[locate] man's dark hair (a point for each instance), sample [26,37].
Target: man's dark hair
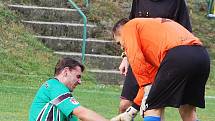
[119,24]
[67,62]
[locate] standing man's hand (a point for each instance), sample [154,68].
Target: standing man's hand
[128,115]
[123,68]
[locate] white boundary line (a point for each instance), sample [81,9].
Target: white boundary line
[210,97]
[23,75]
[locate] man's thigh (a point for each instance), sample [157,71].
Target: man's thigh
[130,86]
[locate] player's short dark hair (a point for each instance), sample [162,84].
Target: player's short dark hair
[67,62]
[119,24]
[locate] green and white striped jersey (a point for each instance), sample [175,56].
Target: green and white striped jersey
[53,102]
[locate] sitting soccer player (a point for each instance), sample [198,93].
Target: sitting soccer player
[54,102]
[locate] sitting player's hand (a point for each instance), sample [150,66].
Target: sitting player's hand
[128,115]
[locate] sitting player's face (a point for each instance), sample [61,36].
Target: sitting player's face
[73,78]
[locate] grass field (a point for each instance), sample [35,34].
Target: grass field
[17,95]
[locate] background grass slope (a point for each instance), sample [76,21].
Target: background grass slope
[24,62]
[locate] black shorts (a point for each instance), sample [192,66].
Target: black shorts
[130,86]
[181,78]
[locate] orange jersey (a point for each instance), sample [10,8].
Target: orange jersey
[146,42]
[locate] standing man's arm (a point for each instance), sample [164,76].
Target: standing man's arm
[85,114]
[182,16]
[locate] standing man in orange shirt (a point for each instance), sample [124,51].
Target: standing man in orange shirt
[163,53]
[172,9]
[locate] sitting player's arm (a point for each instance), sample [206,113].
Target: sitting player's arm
[85,114]
[68,105]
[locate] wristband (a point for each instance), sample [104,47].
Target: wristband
[132,111]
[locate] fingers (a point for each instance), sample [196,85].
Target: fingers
[123,68]
[117,118]
[126,116]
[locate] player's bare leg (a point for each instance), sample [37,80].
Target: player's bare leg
[155,113]
[188,113]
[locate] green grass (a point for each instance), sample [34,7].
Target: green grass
[23,58]
[16,98]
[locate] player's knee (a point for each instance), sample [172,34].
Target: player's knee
[124,104]
[152,118]
[188,112]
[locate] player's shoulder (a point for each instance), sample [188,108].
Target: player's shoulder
[53,83]
[53,86]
